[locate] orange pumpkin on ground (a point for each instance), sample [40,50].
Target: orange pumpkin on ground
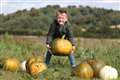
[83,71]
[35,65]
[11,64]
[61,47]
[36,68]
[33,59]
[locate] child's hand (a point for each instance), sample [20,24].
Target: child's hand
[73,49]
[48,46]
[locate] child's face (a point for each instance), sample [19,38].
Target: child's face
[62,18]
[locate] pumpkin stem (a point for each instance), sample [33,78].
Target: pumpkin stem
[63,37]
[33,53]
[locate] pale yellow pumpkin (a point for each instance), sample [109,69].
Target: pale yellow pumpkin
[108,73]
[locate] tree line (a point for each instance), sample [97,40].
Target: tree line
[85,21]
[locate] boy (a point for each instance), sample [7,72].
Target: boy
[58,28]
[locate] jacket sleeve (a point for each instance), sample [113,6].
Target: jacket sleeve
[70,34]
[50,34]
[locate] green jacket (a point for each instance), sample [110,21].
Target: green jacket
[57,31]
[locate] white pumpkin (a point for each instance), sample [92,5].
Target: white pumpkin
[23,66]
[108,73]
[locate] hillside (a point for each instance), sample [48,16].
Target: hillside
[86,21]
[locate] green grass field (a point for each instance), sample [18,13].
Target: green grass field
[23,47]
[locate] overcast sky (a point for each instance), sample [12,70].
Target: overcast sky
[10,6]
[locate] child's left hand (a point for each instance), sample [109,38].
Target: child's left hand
[73,49]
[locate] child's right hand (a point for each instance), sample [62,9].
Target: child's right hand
[48,46]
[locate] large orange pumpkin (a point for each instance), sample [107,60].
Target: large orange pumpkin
[97,65]
[11,64]
[84,71]
[61,47]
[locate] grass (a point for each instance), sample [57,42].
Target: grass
[22,48]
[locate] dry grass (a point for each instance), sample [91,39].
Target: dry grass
[22,47]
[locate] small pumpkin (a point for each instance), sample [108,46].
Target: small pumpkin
[23,65]
[37,68]
[35,65]
[33,59]
[108,73]
[84,71]
[97,65]
[11,64]
[61,47]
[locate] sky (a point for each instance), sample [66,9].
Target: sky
[10,6]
